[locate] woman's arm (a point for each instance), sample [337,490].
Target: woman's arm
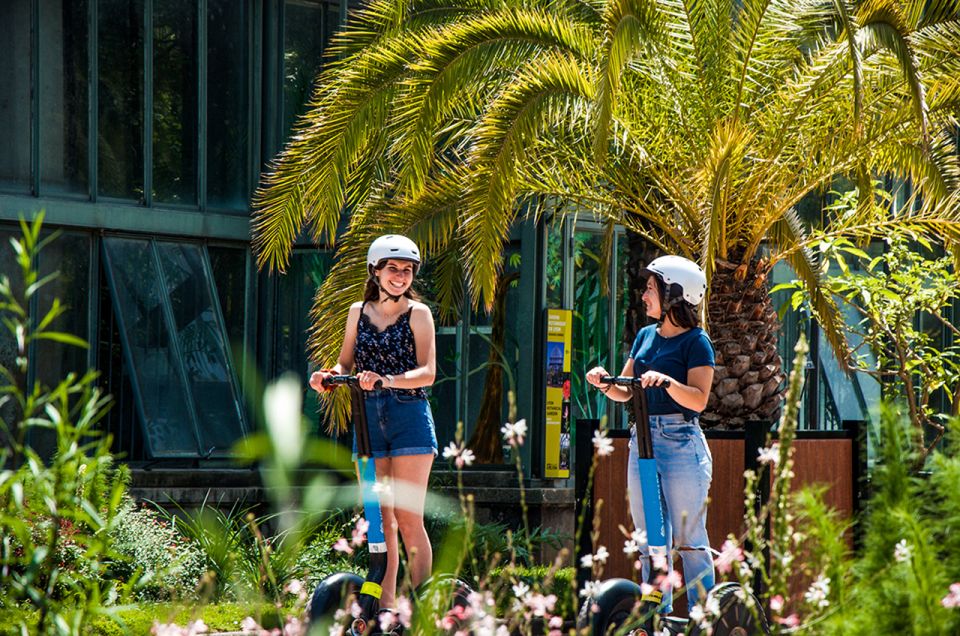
[612,391]
[344,363]
[693,395]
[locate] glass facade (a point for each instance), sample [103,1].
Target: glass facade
[15,96]
[120,62]
[64,96]
[228,104]
[307,29]
[175,104]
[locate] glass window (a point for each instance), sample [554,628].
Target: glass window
[15,98]
[228,100]
[307,28]
[175,102]
[295,293]
[64,96]
[69,257]
[591,324]
[120,128]
[8,344]
[230,275]
[202,346]
[138,298]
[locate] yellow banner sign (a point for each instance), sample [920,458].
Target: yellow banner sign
[557,456]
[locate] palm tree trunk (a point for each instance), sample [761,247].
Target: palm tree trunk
[748,383]
[485,442]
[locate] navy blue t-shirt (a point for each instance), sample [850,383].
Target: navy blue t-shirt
[674,357]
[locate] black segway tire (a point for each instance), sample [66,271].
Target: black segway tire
[614,603]
[736,619]
[444,584]
[331,594]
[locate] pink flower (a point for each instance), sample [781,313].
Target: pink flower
[776,604]
[249,625]
[730,553]
[342,546]
[790,621]
[360,532]
[671,579]
[952,600]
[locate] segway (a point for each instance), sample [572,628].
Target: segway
[334,591]
[613,605]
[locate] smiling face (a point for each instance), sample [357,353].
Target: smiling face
[651,298]
[396,276]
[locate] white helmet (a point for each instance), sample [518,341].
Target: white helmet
[392,246]
[677,270]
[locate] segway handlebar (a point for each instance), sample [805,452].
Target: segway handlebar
[349,380]
[627,381]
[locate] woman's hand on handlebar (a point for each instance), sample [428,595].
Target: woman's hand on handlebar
[368,380]
[655,378]
[594,375]
[317,378]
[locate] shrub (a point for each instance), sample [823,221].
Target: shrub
[168,564]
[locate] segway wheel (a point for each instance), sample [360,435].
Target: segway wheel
[611,608]
[444,595]
[331,595]
[736,619]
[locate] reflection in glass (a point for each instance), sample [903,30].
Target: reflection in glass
[69,257]
[229,266]
[203,349]
[15,96]
[63,96]
[8,344]
[591,325]
[139,298]
[228,97]
[120,117]
[296,291]
[307,28]
[175,102]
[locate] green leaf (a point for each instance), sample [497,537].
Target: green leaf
[64,338]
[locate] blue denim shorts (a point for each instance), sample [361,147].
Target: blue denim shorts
[400,424]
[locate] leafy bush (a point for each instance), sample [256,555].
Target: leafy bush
[56,516]
[168,564]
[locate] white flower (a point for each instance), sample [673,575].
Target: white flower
[712,606]
[818,592]
[630,547]
[769,455]
[601,555]
[590,589]
[602,443]
[520,589]
[513,434]
[640,536]
[902,552]
[249,625]
[697,614]
[451,451]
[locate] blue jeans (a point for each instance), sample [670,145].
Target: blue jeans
[399,423]
[686,468]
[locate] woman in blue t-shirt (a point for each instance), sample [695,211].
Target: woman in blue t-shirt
[677,350]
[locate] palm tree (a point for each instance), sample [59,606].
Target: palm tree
[697,124]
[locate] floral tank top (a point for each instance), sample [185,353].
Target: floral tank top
[392,351]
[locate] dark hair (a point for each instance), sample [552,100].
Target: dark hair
[372,290]
[681,312]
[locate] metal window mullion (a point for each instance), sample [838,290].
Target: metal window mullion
[35,98]
[93,301]
[613,363]
[148,103]
[228,354]
[202,69]
[93,98]
[254,94]
[175,343]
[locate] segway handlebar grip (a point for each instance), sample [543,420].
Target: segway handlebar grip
[350,380]
[623,380]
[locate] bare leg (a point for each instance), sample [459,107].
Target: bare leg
[388,597]
[409,476]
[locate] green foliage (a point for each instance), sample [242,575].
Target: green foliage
[903,295]
[561,582]
[57,514]
[169,565]
[909,559]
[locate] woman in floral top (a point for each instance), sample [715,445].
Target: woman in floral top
[389,339]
